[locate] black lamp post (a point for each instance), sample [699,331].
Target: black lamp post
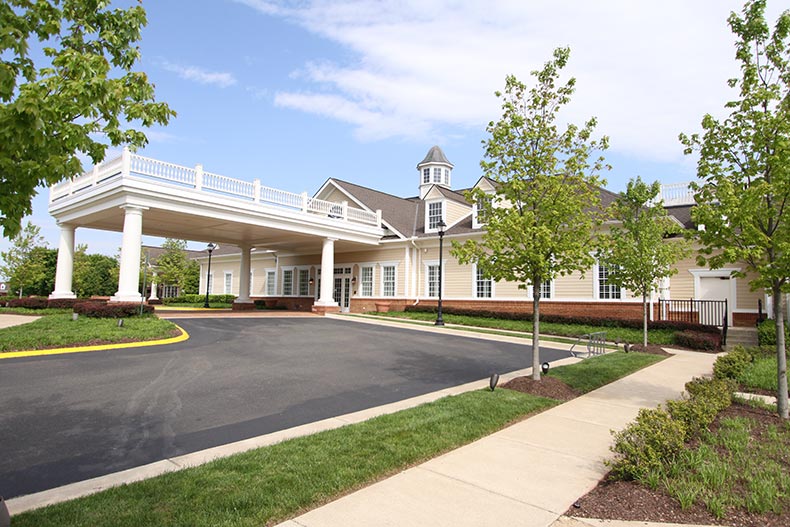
[210,248]
[439,320]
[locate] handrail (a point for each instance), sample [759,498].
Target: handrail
[128,165]
[596,344]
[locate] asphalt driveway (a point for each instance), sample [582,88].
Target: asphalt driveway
[68,418]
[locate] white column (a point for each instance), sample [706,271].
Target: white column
[65,267]
[327,273]
[244,277]
[153,295]
[129,275]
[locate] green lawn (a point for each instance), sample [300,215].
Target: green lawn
[597,371]
[761,374]
[59,330]
[655,336]
[270,484]
[38,312]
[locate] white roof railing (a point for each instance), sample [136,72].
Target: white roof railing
[677,194]
[133,165]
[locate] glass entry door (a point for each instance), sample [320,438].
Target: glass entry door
[342,290]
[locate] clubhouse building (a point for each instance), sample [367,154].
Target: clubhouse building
[348,247]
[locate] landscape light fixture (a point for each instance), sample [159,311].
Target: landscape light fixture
[120,322]
[210,248]
[439,319]
[493,381]
[544,368]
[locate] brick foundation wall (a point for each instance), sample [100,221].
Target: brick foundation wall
[364,305]
[744,319]
[291,303]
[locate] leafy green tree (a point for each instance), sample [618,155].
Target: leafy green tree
[20,266]
[192,279]
[94,274]
[172,266]
[82,97]
[47,259]
[744,169]
[637,250]
[540,223]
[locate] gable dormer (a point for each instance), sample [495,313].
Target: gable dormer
[435,169]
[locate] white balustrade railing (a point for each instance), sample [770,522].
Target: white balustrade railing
[226,185]
[677,194]
[133,165]
[154,168]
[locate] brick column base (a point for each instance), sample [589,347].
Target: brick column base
[323,310]
[243,306]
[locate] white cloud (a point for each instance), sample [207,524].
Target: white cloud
[199,75]
[647,70]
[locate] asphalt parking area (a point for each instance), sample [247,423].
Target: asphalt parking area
[72,417]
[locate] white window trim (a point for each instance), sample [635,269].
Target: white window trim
[294,280]
[266,272]
[381,278]
[427,264]
[476,224]
[225,289]
[427,216]
[372,266]
[724,272]
[531,296]
[252,282]
[297,280]
[597,288]
[474,285]
[210,283]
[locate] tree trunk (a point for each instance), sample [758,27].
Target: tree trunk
[781,357]
[644,321]
[536,333]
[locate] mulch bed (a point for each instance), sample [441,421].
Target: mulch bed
[628,500]
[547,386]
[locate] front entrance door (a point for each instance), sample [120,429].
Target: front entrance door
[715,288]
[342,290]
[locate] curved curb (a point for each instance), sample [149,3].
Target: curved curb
[99,347]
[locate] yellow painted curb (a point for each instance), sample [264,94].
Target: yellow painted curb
[99,347]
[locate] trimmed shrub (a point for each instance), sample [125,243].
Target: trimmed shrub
[706,398]
[63,303]
[114,310]
[731,365]
[698,340]
[261,304]
[766,332]
[30,302]
[652,439]
[196,299]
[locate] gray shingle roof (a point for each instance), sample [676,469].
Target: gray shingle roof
[682,213]
[399,212]
[435,155]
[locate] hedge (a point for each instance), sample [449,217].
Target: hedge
[63,303]
[766,332]
[114,310]
[29,302]
[196,299]
[697,340]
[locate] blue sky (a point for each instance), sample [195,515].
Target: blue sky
[293,93]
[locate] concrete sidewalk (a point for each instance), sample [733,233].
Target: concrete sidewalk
[6,321]
[527,474]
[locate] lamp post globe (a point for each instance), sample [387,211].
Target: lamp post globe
[439,319]
[210,248]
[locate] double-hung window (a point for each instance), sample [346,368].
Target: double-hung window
[433,280]
[388,280]
[270,282]
[288,282]
[304,282]
[228,283]
[435,210]
[426,175]
[482,285]
[437,175]
[606,289]
[366,277]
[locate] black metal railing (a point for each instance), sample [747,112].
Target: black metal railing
[707,312]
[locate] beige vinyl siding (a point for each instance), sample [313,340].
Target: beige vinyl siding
[681,285]
[503,289]
[745,297]
[575,286]
[337,196]
[394,255]
[455,211]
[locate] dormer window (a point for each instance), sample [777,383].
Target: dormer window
[426,175]
[435,214]
[480,210]
[437,175]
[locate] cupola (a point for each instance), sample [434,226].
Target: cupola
[435,169]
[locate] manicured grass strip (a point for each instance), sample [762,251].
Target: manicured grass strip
[595,372]
[267,485]
[57,331]
[38,312]
[761,374]
[655,336]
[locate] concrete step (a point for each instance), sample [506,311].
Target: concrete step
[739,336]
